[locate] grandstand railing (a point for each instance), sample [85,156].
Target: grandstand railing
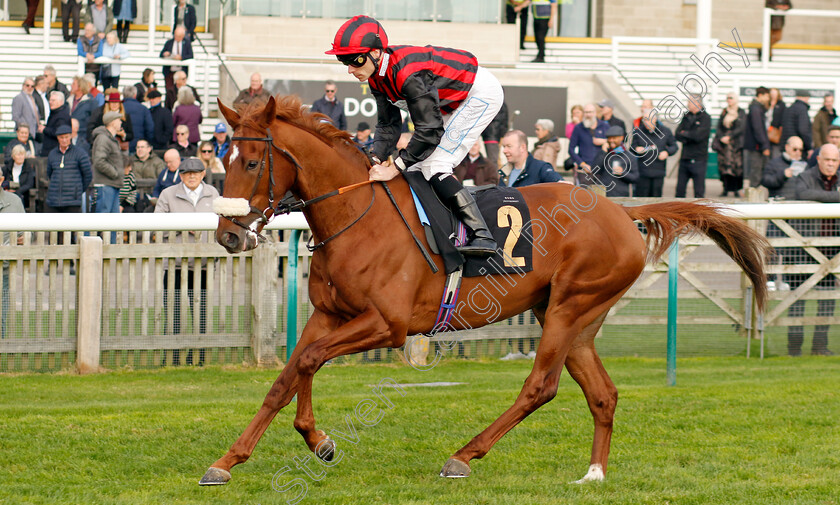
[142,319]
[765,29]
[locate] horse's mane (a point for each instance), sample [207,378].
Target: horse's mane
[291,109]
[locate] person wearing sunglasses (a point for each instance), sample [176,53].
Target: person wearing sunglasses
[781,169]
[450,100]
[331,106]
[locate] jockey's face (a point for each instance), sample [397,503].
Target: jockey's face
[364,72]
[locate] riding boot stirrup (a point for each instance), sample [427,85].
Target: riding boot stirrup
[481,242]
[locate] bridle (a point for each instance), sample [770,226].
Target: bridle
[286,208]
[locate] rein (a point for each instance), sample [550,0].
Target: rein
[286,208]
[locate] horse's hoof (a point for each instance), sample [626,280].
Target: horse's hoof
[326,449]
[214,477]
[455,469]
[595,474]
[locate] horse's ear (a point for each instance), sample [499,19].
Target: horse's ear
[230,115]
[270,111]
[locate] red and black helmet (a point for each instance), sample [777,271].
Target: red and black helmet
[359,35]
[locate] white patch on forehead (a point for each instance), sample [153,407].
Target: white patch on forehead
[234,154]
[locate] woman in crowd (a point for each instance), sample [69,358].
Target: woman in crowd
[109,73]
[19,174]
[729,144]
[128,191]
[146,84]
[124,11]
[187,113]
[774,120]
[547,146]
[577,116]
[206,154]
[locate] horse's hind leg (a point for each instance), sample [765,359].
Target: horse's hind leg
[280,394]
[586,369]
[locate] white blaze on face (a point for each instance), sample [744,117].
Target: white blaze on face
[233,155]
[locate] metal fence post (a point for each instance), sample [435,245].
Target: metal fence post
[291,294]
[673,276]
[89,305]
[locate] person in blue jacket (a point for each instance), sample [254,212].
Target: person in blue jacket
[69,172]
[522,169]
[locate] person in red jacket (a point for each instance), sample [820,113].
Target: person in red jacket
[450,100]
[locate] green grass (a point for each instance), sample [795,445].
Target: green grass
[732,431]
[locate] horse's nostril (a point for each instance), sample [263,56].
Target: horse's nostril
[231,240]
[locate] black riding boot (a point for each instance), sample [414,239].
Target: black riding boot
[482,242]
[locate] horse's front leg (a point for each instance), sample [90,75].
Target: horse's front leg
[366,331]
[280,394]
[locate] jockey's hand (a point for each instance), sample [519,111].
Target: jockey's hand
[383,172]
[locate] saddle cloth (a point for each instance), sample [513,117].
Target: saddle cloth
[505,213]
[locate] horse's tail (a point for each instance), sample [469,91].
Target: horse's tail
[667,221]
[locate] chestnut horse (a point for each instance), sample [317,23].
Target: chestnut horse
[371,287]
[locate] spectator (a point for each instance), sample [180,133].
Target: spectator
[494,133]
[59,116]
[545,15]
[31,10]
[180,80]
[756,141]
[363,138]
[647,105]
[81,103]
[187,113]
[171,176]
[576,116]
[19,172]
[211,163]
[519,8]
[42,101]
[176,48]
[162,119]
[606,113]
[109,73]
[23,138]
[76,139]
[25,110]
[112,104]
[548,146]
[182,144]
[69,173]
[128,190]
[145,163]
[729,144]
[100,16]
[819,184]
[125,11]
[141,118]
[9,204]
[587,138]
[784,168]
[184,15]
[796,121]
[70,8]
[522,169]
[776,22]
[693,131]
[108,162]
[190,195]
[825,116]
[331,106]
[90,46]
[653,143]
[775,113]
[616,169]
[254,92]
[53,83]
[220,141]
[97,96]
[833,137]
[475,169]
[146,83]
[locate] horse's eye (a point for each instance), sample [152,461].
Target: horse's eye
[252,164]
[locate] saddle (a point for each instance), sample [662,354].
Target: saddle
[503,209]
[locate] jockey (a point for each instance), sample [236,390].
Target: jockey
[450,100]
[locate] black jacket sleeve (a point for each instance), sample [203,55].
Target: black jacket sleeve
[757,126]
[388,127]
[803,127]
[423,106]
[774,173]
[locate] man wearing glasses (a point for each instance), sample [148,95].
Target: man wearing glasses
[182,143]
[450,100]
[24,110]
[331,106]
